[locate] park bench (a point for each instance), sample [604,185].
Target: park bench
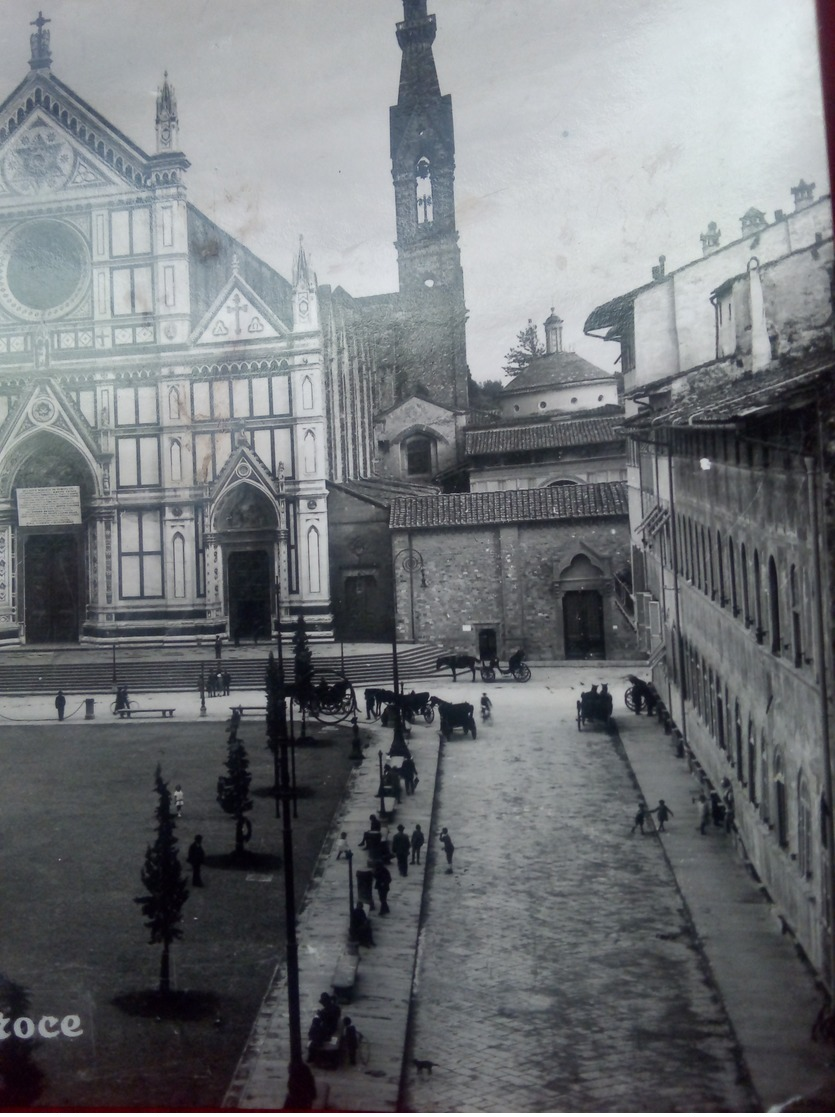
[248,709]
[328,1055]
[345,975]
[165,712]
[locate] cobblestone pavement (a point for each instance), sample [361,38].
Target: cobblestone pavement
[557,967]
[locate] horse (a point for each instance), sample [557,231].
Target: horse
[457,663]
[414,704]
[375,699]
[455,715]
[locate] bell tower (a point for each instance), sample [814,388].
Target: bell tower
[428,256]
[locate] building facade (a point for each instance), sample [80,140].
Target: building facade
[728,367]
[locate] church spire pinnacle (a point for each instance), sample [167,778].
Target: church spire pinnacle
[415,36]
[39,44]
[167,120]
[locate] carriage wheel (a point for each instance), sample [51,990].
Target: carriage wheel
[629,698]
[522,673]
[488,675]
[429,714]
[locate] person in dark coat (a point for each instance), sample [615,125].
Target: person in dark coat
[218,647]
[60,703]
[408,771]
[351,1039]
[382,882]
[417,843]
[360,930]
[301,1089]
[400,847]
[196,856]
[227,682]
[449,848]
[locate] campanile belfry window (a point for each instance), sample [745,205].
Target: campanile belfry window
[423,191]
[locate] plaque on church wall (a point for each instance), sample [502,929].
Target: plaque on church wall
[50,507]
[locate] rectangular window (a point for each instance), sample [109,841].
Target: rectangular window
[143,291]
[140,554]
[223,449]
[220,399]
[141,230]
[168,284]
[264,447]
[87,406]
[122,290]
[240,399]
[101,292]
[132,290]
[283,452]
[203,459]
[281,395]
[137,461]
[101,246]
[146,405]
[200,552]
[201,407]
[260,395]
[120,233]
[168,226]
[125,407]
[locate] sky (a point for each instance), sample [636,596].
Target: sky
[592,136]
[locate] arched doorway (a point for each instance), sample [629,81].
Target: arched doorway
[582,607]
[51,491]
[247,524]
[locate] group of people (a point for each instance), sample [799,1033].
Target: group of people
[396,780]
[325,1025]
[218,683]
[644,814]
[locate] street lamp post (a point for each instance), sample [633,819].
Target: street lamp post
[202,691]
[412,561]
[350,856]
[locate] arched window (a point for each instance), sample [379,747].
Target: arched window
[176,454]
[423,191]
[307,394]
[174,403]
[746,603]
[797,631]
[418,456]
[309,452]
[780,800]
[313,560]
[179,563]
[774,606]
[758,598]
[804,827]
[732,577]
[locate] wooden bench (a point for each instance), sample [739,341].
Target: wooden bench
[328,1055]
[345,976]
[166,712]
[248,709]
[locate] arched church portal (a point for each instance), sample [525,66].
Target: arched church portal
[582,607]
[50,492]
[247,526]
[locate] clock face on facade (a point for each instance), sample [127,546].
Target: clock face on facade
[44,269]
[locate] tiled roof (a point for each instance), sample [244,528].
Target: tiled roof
[543,436]
[381,491]
[560,502]
[554,370]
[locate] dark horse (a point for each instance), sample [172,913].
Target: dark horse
[457,663]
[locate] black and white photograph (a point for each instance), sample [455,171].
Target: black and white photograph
[417,556]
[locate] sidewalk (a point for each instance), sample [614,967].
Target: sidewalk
[768,992]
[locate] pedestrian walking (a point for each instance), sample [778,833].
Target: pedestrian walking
[703,812]
[728,798]
[408,772]
[351,1039]
[60,703]
[342,847]
[360,930]
[179,799]
[382,883]
[400,846]
[449,848]
[227,682]
[486,707]
[196,856]
[218,647]
[717,808]
[642,815]
[233,725]
[663,812]
[416,843]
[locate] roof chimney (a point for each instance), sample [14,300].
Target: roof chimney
[553,333]
[804,195]
[710,239]
[658,272]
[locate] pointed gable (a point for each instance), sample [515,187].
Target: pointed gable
[238,315]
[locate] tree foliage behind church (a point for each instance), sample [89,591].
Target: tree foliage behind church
[528,346]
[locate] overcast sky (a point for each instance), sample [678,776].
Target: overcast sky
[592,136]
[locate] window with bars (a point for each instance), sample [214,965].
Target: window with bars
[140,554]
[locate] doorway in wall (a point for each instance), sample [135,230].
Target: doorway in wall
[52,587]
[583,625]
[250,577]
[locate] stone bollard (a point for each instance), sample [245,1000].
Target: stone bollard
[89,709]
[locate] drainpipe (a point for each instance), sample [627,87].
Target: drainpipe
[820,640]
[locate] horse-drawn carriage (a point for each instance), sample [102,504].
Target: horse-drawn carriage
[332,698]
[640,694]
[455,715]
[380,703]
[516,668]
[594,705]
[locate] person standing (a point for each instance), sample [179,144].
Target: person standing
[351,1039]
[663,812]
[382,882]
[703,811]
[179,799]
[195,857]
[449,848]
[409,773]
[400,846]
[60,703]
[218,647]
[642,815]
[227,682]
[342,847]
[416,843]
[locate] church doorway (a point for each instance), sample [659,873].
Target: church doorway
[250,579]
[583,625]
[52,588]
[365,614]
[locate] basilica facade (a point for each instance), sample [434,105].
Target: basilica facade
[172,409]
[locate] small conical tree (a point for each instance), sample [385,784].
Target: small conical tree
[162,876]
[233,793]
[303,657]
